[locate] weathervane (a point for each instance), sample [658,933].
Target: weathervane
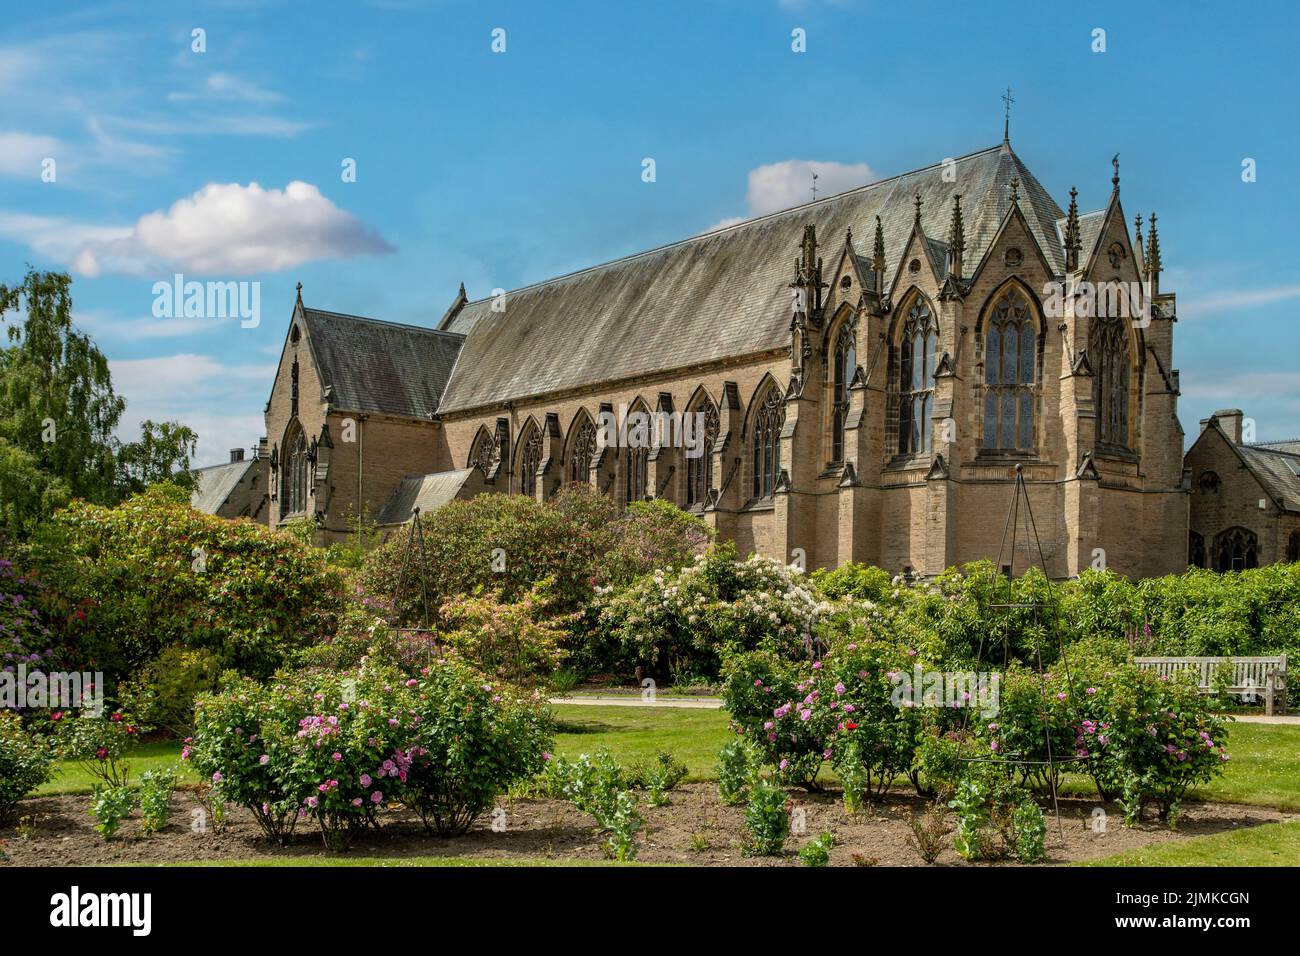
[1007,99]
[814,186]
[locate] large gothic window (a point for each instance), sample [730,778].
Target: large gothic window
[1236,550]
[1195,549]
[294,492]
[485,453]
[916,357]
[769,416]
[1010,354]
[699,470]
[1108,348]
[846,361]
[530,459]
[582,450]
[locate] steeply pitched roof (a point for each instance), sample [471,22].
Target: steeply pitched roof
[1278,471]
[374,366]
[426,492]
[214,484]
[721,294]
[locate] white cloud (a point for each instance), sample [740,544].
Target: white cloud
[778,186]
[225,86]
[21,153]
[223,229]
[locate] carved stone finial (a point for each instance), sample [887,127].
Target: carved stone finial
[300,293]
[1153,263]
[1114,180]
[1015,190]
[1072,241]
[916,220]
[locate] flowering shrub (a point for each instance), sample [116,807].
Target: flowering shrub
[675,622]
[470,739]
[24,763]
[98,743]
[23,638]
[515,641]
[123,583]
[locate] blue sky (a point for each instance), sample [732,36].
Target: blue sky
[499,169]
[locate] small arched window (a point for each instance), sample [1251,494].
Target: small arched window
[769,416]
[530,460]
[1108,348]
[1010,357]
[1195,549]
[582,450]
[1236,549]
[916,357]
[846,362]
[1208,483]
[699,470]
[294,494]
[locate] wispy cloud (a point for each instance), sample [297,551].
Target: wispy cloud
[1220,301]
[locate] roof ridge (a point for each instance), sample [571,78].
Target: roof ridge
[737,225]
[396,325]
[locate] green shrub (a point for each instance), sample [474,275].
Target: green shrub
[657,777]
[162,693]
[123,583]
[98,743]
[24,764]
[110,806]
[817,852]
[470,740]
[598,786]
[767,818]
[1029,832]
[516,641]
[156,788]
[736,767]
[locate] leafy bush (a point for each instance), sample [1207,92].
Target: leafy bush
[162,692]
[1029,831]
[98,743]
[598,786]
[23,638]
[156,788]
[736,766]
[471,741]
[817,852]
[123,583]
[657,777]
[929,831]
[24,764]
[767,819]
[110,806]
[517,641]
[671,622]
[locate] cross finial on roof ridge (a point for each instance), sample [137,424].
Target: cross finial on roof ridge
[1007,100]
[300,293]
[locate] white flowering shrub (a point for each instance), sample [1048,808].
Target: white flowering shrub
[678,623]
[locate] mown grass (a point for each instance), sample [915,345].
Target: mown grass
[1272,844]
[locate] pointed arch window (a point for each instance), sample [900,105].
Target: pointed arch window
[699,471]
[1236,549]
[1195,549]
[486,452]
[530,460]
[769,416]
[1108,348]
[582,451]
[1010,371]
[916,358]
[294,493]
[1293,547]
[846,362]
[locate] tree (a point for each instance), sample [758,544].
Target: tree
[161,455]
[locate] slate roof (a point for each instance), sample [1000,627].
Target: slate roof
[721,294]
[1277,470]
[213,485]
[427,492]
[375,366]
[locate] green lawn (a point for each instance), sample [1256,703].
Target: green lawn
[1273,844]
[1264,769]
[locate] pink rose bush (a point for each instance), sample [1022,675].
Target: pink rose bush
[339,748]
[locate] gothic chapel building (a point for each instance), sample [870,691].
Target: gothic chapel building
[871,369]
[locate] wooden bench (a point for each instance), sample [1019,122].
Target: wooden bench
[1256,676]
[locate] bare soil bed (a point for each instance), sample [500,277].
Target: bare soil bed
[697,829]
